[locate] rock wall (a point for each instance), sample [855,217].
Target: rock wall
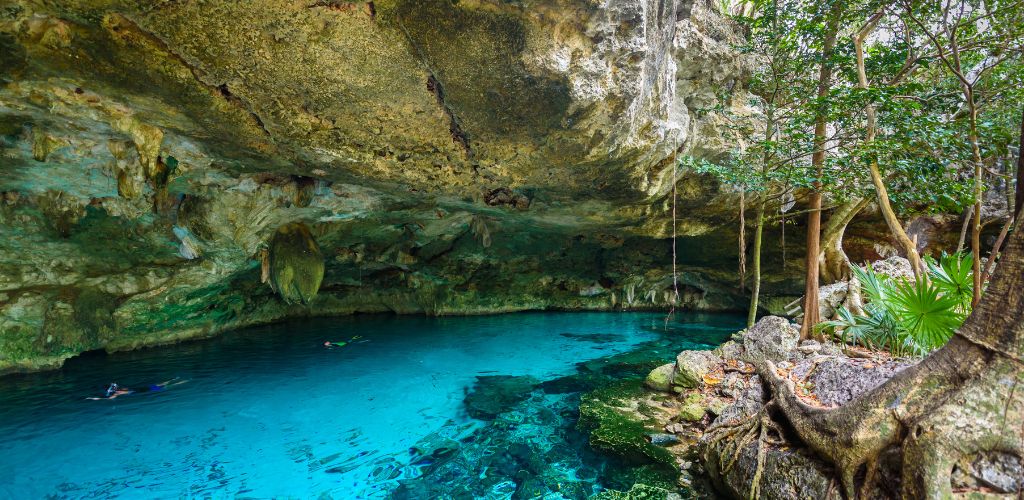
[444,157]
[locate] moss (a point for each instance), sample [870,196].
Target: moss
[94,311]
[296,264]
[620,432]
[693,408]
[637,492]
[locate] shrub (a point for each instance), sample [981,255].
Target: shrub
[910,317]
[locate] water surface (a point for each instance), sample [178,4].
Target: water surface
[269,412]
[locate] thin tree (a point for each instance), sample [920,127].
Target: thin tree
[811,314]
[956,29]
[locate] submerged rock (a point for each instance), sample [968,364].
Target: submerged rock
[622,431]
[492,395]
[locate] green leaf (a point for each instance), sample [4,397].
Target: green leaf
[927,316]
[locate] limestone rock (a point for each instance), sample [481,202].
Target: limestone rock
[895,267]
[661,378]
[730,350]
[1001,472]
[494,394]
[691,367]
[809,347]
[838,379]
[830,298]
[296,264]
[143,163]
[772,338]
[693,408]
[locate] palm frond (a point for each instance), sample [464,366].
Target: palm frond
[876,288]
[954,276]
[927,316]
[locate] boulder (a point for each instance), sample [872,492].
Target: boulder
[809,347]
[838,379]
[997,471]
[831,298]
[894,267]
[693,408]
[730,350]
[772,338]
[691,367]
[660,378]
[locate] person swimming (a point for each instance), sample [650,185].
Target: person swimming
[330,344]
[114,390]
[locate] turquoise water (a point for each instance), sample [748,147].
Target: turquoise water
[416,407]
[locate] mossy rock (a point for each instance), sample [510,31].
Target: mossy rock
[660,378]
[637,492]
[693,408]
[620,432]
[296,264]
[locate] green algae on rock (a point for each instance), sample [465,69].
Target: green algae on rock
[622,431]
[296,264]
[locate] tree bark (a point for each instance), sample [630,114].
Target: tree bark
[742,243]
[895,226]
[811,315]
[833,263]
[1019,199]
[978,194]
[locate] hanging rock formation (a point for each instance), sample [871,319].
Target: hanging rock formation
[296,264]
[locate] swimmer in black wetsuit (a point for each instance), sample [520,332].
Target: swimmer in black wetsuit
[115,390]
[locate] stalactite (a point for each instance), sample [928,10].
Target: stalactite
[296,263]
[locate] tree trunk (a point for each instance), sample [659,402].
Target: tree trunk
[894,224]
[811,315]
[742,243]
[833,263]
[1019,199]
[960,401]
[968,216]
[978,194]
[756,264]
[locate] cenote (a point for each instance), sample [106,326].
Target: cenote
[409,407]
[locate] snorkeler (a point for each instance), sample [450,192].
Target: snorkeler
[332,344]
[114,390]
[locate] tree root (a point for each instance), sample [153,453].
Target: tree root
[951,405]
[738,435]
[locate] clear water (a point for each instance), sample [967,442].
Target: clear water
[269,412]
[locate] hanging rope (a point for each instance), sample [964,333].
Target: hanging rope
[675,276]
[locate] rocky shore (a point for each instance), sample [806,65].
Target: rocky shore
[710,417]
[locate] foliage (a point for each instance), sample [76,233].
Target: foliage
[910,317]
